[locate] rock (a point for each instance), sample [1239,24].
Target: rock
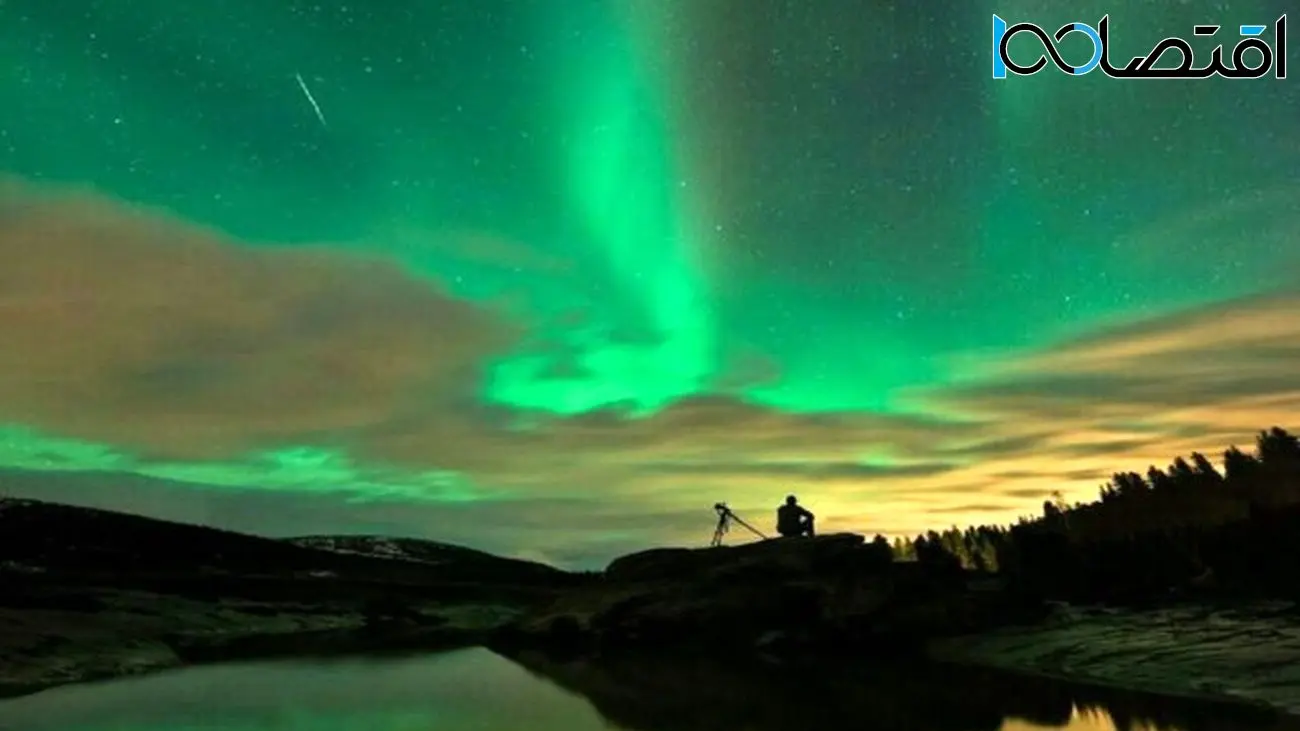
[1243,652]
[825,594]
[785,555]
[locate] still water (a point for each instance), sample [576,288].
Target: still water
[476,690]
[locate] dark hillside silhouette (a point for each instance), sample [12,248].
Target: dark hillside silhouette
[48,544]
[433,553]
[1188,528]
[82,590]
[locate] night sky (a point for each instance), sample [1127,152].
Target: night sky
[549,278]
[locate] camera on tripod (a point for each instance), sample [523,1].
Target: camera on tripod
[726,516]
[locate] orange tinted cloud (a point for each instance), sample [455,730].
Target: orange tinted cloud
[1131,396]
[128,327]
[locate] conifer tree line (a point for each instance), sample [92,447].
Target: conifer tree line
[1189,524]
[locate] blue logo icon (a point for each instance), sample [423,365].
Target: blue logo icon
[1154,64]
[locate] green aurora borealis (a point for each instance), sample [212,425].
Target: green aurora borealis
[554,276]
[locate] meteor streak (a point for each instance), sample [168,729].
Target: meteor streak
[311,99]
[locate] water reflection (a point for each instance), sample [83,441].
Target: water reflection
[477,690]
[457,691]
[717,694]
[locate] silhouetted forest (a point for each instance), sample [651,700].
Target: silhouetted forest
[1185,529]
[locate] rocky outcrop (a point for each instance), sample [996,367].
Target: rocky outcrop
[826,594]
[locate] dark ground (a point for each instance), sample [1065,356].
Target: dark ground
[91,594]
[87,594]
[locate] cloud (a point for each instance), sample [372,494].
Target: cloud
[809,472]
[1162,370]
[718,439]
[968,509]
[129,327]
[1230,333]
[1069,415]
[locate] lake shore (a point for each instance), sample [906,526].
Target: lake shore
[1243,653]
[1231,655]
[134,633]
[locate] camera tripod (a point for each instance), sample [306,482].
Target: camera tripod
[725,518]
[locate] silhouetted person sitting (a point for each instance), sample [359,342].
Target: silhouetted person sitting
[792,519]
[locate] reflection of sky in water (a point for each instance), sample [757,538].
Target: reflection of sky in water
[1084,719]
[462,691]
[453,692]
